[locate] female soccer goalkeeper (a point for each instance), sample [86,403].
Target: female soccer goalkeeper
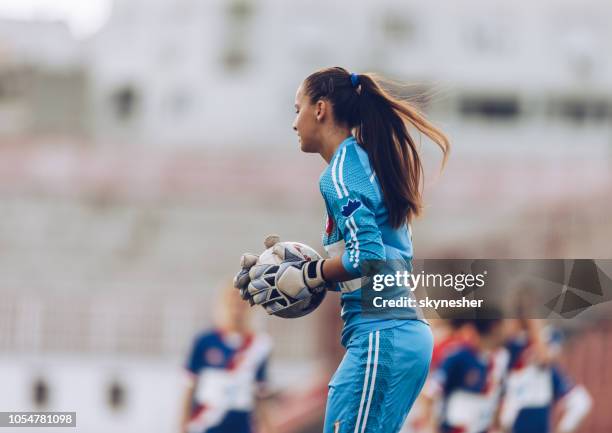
[371,189]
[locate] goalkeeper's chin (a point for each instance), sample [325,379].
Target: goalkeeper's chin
[304,147]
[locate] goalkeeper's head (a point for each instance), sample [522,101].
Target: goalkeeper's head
[333,103]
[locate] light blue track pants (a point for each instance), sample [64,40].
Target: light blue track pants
[379,379]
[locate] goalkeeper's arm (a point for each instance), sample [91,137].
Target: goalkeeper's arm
[334,271]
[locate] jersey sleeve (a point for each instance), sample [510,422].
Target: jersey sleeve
[195,359]
[261,379]
[352,203]
[262,388]
[444,377]
[514,348]
[561,383]
[261,375]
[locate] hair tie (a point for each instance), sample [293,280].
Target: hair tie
[354,80]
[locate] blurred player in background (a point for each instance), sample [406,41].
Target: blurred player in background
[446,339]
[468,382]
[227,374]
[372,190]
[536,384]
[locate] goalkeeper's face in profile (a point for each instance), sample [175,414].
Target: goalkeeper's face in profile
[309,121]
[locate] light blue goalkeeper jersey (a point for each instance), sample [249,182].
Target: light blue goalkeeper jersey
[358,229]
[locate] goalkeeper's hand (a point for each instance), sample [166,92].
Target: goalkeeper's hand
[296,272]
[242,278]
[294,276]
[247,262]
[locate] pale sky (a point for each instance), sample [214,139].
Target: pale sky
[84,17]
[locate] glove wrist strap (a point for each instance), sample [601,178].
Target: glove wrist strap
[313,274]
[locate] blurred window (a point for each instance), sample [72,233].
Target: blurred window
[12,84]
[579,110]
[398,27]
[235,58]
[116,395]
[124,102]
[240,10]
[490,107]
[239,14]
[40,393]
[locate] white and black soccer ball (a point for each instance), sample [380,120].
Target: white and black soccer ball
[280,304]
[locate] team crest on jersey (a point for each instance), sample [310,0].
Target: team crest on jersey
[214,356]
[349,208]
[329,225]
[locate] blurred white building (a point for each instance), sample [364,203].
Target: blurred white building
[43,85]
[224,72]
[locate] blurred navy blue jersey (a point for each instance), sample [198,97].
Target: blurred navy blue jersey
[470,385]
[228,370]
[532,390]
[358,230]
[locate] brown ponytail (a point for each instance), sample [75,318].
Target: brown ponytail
[380,123]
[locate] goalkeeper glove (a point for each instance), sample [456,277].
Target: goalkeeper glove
[247,261]
[294,276]
[242,278]
[295,272]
